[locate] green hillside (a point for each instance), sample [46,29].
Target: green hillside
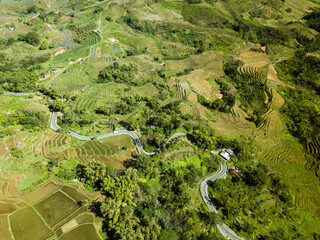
[220,74]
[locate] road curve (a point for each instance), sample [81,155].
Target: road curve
[133,135]
[223,228]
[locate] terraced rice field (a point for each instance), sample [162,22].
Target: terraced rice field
[39,213]
[313,148]
[111,151]
[181,90]
[286,158]
[85,104]
[73,80]
[255,72]
[46,145]
[64,39]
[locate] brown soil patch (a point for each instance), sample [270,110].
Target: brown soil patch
[198,80]
[253,57]
[72,224]
[59,52]
[113,40]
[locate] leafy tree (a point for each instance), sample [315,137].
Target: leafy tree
[32,38]
[57,106]
[118,73]
[32,9]
[44,46]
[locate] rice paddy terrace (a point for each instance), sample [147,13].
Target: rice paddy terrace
[49,211]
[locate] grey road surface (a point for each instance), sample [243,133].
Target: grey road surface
[54,126]
[223,228]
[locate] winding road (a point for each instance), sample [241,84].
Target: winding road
[223,228]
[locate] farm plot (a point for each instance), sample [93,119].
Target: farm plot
[74,79]
[83,232]
[54,215]
[49,209]
[85,103]
[285,158]
[64,39]
[313,148]
[46,145]
[111,151]
[180,90]
[4,227]
[26,224]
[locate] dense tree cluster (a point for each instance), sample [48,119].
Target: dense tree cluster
[18,81]
[141,202]
[31,120]
[251,95]
[49,92]
[57,106]
[303,69]
[303,115]
[313,19]
[32,38]
[118,73]
[255,200]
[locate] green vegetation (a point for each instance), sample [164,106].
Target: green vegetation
[154,182]
[32,38]
[250,92]
[18,81]
[119,74]
[229,74]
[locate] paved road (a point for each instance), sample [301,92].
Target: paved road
[19,93]
[224,229]
[54,126]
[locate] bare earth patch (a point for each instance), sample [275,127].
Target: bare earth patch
[59,52]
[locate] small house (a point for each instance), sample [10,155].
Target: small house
[226,154]
[53,70]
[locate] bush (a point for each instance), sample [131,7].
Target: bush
[32,38]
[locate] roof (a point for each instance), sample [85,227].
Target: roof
[230,152]
[225,155]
